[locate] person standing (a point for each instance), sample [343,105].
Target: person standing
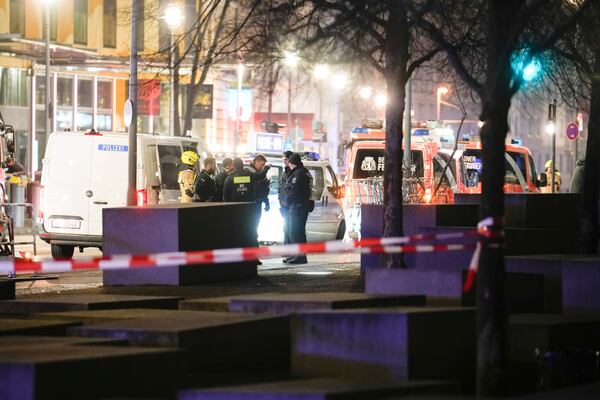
[261,184]
[282,196]
[239,185]
[227,165]
[557,180]
[187,177]
[204,187]
[298,203]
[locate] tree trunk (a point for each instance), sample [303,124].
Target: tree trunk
[590,213]
[492,317]
[491,275]
[397,42]
[191,91]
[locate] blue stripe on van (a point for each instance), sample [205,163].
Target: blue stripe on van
[113,147]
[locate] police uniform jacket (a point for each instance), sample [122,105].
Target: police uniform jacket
[204,187]
[219,184]
[282,180]
[239,187]
[298,189]
[261,183]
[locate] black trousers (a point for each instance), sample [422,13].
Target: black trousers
[296,226]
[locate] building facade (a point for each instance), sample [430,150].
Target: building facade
[89,52]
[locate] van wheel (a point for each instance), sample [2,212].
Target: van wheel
[341,231]
[61,251]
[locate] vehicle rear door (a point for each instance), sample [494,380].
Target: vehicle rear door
[168,156]
[316,226]
[108,180]
[66,179]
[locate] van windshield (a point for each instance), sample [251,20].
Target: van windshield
[169,158]
[472,166]
[370,163]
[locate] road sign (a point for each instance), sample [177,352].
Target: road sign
[128,112]
[572,131]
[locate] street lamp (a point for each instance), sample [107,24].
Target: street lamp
[238,110]
[551,130]
[442,90]
[365,92]
[320,73]
[173,18]
[47,4]
[380,100]
[290,59]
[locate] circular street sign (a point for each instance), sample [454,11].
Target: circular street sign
[128,112]
[572,131]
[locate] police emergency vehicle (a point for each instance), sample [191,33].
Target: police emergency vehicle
[85,172]
[327,221]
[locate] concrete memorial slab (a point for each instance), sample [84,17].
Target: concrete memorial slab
[13,326]
[44,341]
[72,302]
[286,303]
[90,372]
[394,343]
[529,332]
[102,316]
[213,341]
[319,389]
[179,227]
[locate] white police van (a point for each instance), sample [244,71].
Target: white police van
[327,221]
[85,172]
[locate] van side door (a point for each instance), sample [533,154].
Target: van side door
[108,183]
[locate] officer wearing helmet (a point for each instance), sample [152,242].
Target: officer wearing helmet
[187,177]
[557,182]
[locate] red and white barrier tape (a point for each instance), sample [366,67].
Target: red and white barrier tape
[491,228]
[369,245]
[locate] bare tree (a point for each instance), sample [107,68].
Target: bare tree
[510,34]
[382,34]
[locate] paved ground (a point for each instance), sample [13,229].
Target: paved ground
[323,273]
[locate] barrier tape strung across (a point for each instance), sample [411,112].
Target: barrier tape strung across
[369,245]
[490,232]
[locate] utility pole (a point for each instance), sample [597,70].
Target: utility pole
[133,84]
[48,117]
[408,126]
[552,124]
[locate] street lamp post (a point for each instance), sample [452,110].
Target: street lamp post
[442,90]
[47,116]
[238,110]
[291,60]
[133,83]
[173,18]
[340,81]
[320,73]
[551,130]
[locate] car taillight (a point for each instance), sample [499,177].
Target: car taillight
[427,196]
[142,198]
[41,210]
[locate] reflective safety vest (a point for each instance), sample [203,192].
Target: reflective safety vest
[186,181]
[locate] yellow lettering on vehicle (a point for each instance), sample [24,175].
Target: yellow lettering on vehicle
[241,179]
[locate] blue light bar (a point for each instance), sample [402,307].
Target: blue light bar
[362,131]
[421,132]
[517,142]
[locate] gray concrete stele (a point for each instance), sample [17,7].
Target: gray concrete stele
[179,227]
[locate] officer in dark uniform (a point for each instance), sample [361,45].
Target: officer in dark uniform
[227,165]
[298,204]
[281,194]
[239,185]
[204,187]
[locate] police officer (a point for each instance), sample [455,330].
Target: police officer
[187,177]
[298,204]
[204,187]
[227,165]
[239,185]
[281,194]
[261,184]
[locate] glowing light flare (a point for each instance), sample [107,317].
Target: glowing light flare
[173,16]
[380,100]
[365,92]
[321,71]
